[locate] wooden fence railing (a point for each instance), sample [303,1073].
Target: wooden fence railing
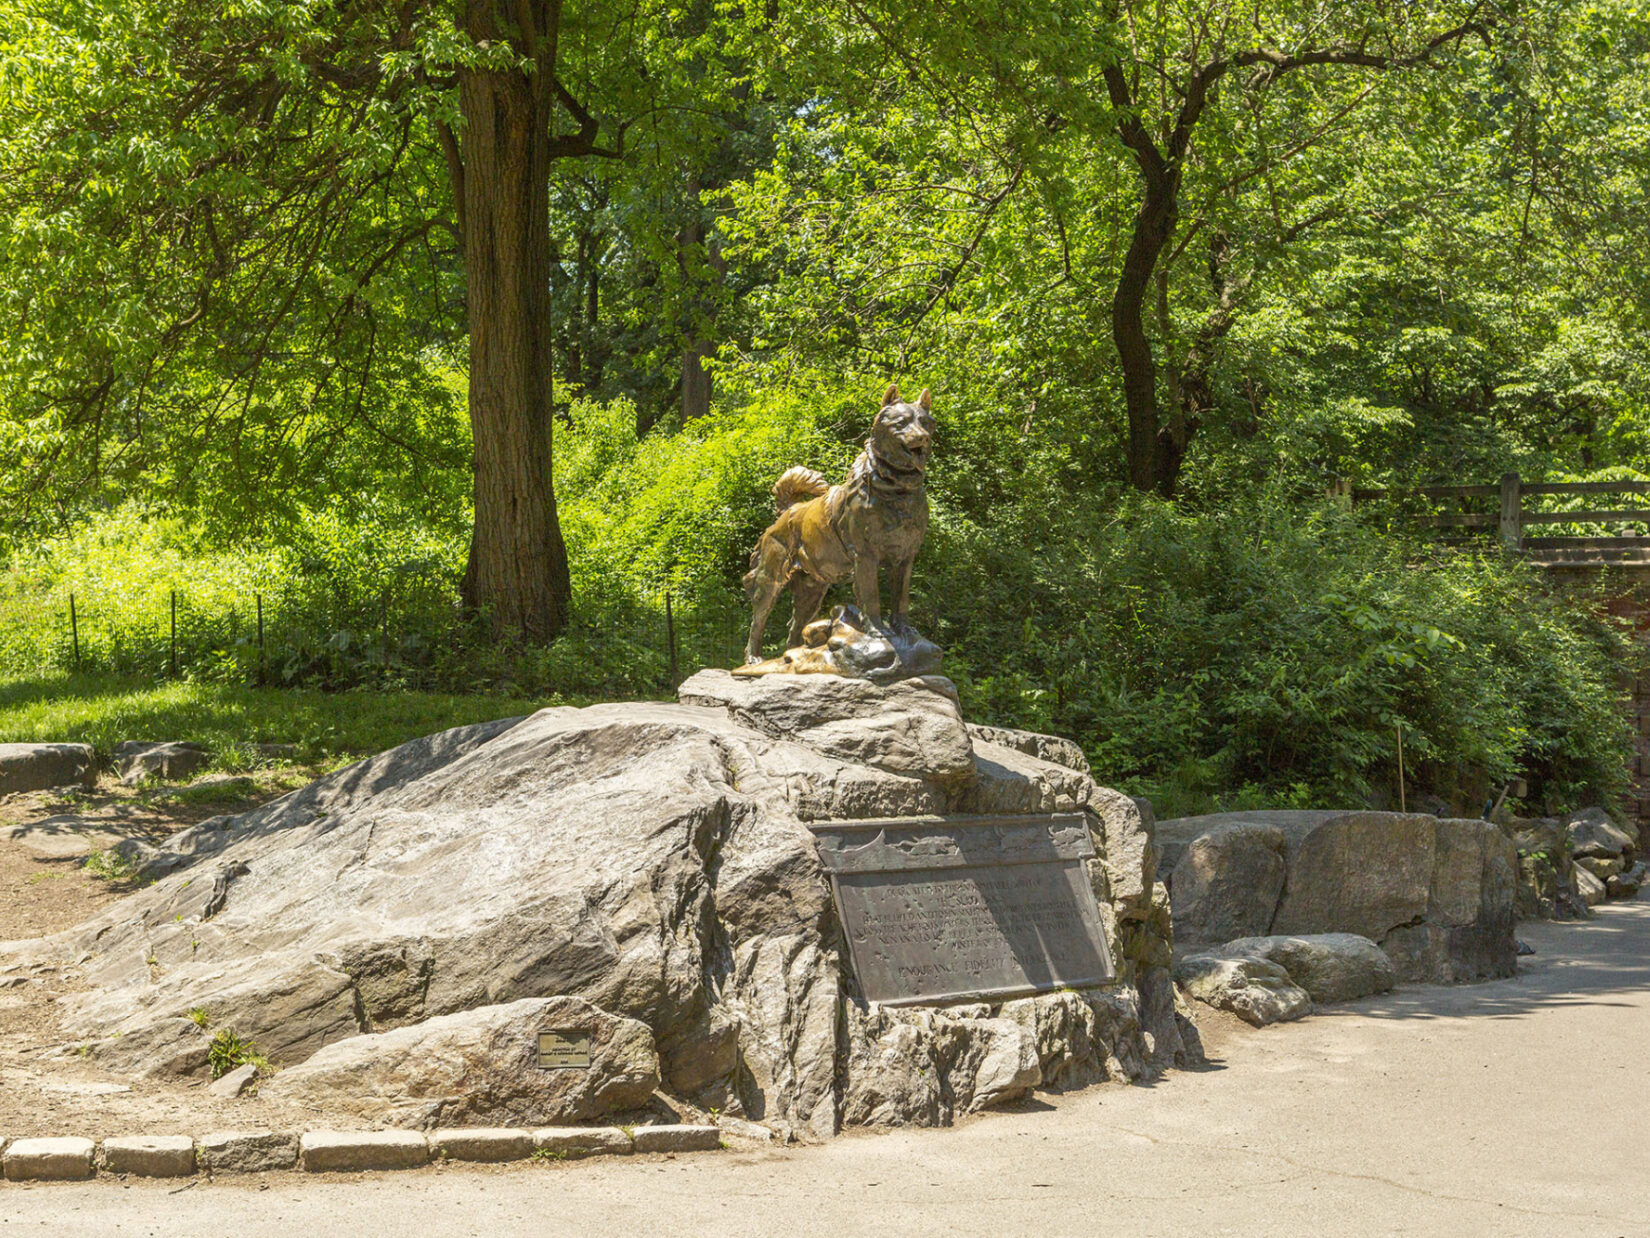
[1514,515]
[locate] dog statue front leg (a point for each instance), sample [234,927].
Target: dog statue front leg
[900,588]
[866,590]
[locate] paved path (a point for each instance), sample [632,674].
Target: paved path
[1506,1109]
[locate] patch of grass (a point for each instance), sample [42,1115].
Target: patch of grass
[111,866]
[200,1016]
[229,1050]
[36,878]
[328,727]
[549,1154]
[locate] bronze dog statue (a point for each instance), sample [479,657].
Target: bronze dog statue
[827,533]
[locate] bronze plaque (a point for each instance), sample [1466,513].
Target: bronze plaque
[954,909]
[564,1049]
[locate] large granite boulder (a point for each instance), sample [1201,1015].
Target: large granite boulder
[1435,893]
[649,859]
[1227,883]
[1593,834]
[40,767]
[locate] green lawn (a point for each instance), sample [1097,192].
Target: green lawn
[103,710]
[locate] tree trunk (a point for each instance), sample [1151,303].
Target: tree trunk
[695,379]
[592,311]
[703,267]
[518,561]
[1153,225]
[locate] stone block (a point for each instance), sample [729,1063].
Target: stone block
[573,1142]
[49,1160]
[321,1151]
[150,1156]
[231,1085]
[247,1152]
[138,759]
[1257,991]
[1331,967]
[482,1143]
[1227,883]
[677,1138]
[39,767]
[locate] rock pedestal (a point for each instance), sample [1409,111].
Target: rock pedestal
[637,873]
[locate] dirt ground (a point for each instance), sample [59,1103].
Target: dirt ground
[46,886]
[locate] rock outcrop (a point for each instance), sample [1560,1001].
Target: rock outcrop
[649,859]
[1435,893]
[479,1067]
[1545,890]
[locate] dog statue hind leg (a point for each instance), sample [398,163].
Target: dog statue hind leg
[763,584]
[900,590]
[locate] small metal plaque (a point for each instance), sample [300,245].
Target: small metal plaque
[954,909]
[564,1049]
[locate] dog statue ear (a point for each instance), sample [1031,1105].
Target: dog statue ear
[891,396]
[925,401]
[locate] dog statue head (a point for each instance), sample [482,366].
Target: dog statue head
[903,433]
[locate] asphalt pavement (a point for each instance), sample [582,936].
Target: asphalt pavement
[1508,1108]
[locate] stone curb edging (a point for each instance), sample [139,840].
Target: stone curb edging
[174,1156]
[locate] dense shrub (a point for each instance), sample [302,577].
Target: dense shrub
[1265,648]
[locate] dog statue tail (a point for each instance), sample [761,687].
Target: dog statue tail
[796,484]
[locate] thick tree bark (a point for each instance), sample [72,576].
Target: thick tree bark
[696,389]
[694,254]
[1153,225]
[518,561]
[592,311]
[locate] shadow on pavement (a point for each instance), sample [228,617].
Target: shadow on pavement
[1596,962]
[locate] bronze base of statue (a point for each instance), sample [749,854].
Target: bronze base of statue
[849,644]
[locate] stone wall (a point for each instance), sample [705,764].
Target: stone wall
[1436,893]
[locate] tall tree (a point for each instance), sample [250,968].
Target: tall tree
[1159,96]
[515,111]
[172,171]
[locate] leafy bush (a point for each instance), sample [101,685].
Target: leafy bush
[228,1050]
[1238,649]
[1270,653]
